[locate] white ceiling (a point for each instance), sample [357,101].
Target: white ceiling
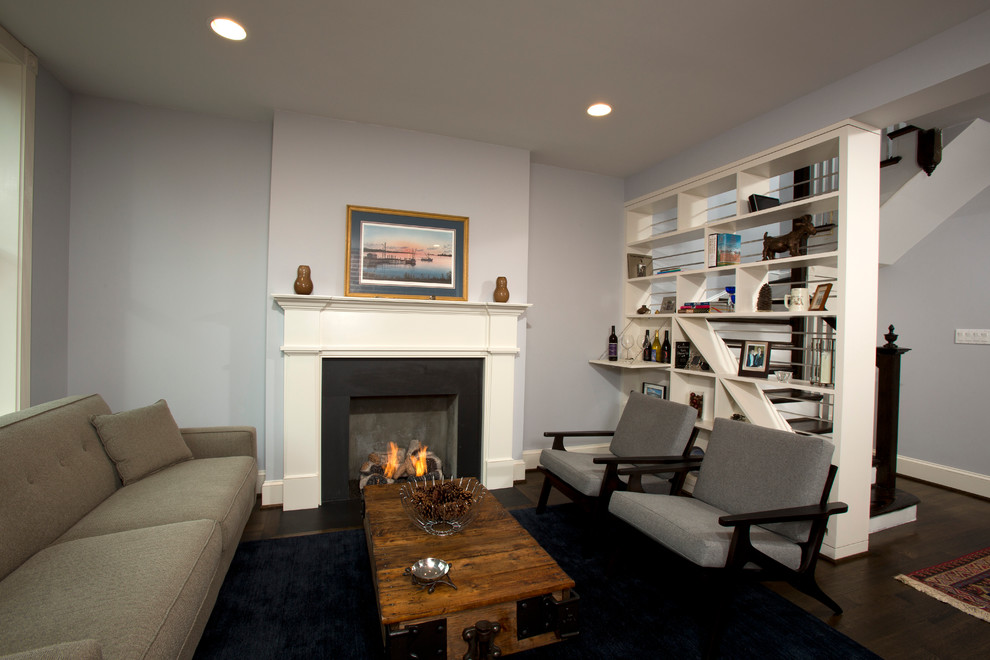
[518,73]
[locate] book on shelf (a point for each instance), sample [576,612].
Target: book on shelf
[760,202]
[669,269]
[724,249]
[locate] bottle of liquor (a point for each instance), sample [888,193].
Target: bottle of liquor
[655,348]
[647,348]
[665,347]
[613,346]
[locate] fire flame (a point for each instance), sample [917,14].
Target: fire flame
[420,461]
[393,460]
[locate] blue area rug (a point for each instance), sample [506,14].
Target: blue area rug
[311,597]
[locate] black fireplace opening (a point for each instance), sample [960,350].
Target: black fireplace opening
[368,402]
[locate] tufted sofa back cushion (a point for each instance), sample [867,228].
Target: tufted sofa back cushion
[54,471]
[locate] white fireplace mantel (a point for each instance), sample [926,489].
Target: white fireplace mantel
[318,327]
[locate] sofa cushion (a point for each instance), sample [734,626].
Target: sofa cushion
[220,489]
[136,592]
[142,441]
[84,649]
[54,472]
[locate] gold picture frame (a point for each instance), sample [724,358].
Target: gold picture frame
[405,254]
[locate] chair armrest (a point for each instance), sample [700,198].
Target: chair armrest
[219,441]
[663,468]
[791,514]
[558,436]
[640,460]
[680,470]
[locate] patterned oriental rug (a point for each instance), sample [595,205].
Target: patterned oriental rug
[963,583]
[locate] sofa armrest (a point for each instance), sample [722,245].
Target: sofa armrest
[219,441]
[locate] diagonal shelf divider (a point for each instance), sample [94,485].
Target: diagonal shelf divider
[755,404]
[704,338]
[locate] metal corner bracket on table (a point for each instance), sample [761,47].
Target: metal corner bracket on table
[534,616]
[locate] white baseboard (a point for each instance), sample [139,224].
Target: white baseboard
[943,475]
[271,493]
[893,519]
[531,457]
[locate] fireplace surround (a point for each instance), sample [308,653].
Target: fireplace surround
[405,379]
[317,328]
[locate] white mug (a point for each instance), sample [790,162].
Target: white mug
[797,300]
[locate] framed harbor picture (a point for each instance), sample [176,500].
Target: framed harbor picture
[405,254]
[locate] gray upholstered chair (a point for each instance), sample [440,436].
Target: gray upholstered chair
[760,501]
[650,431]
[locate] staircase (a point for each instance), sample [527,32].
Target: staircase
[925,202]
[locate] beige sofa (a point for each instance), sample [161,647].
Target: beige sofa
[116,531]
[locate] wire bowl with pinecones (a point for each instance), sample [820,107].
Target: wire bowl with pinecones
[442,507]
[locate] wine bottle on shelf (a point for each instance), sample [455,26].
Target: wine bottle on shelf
[665,347]
[647,348]
[655,348]
[613,346]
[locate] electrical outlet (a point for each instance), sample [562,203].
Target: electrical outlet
[972,336]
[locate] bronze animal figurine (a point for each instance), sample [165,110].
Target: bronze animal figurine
[790,241]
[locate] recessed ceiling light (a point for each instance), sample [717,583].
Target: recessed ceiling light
[599,109]
[228,29]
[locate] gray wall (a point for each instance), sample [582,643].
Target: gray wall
[167,250]
[50,241]
[576,270]
[320,165]
[929,292]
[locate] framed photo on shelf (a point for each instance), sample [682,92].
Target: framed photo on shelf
[667,304]
[754,360]
[405,254]
[638,265]
[820,298]
[653,389]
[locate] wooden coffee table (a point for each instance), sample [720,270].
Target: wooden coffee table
[510,593]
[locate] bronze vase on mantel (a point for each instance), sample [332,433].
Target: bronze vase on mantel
[303,284]
[501,293]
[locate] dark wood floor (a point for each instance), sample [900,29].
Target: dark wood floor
[882,614]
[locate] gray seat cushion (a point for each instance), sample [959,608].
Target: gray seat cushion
[219,489]
[577,469]
[580,471]
[136,592]
[690,528]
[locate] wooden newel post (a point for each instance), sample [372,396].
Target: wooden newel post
[888,406]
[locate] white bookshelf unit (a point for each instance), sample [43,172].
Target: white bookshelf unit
[833,176]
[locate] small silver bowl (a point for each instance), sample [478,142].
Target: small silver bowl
[782,376]
[428,573]
[429,569]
